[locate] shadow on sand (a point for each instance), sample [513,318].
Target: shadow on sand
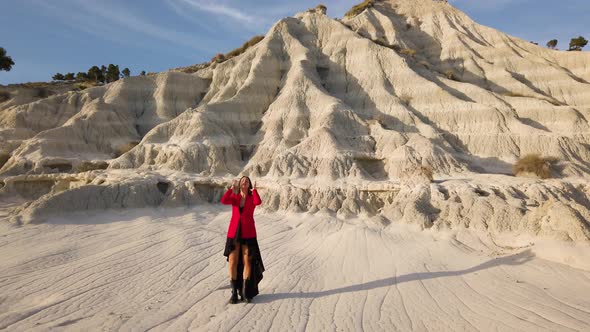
[516,259]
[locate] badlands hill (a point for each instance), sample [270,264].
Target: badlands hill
[341,116]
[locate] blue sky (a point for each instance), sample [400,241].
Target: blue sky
[48,36]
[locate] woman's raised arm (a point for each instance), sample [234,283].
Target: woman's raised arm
[257,200]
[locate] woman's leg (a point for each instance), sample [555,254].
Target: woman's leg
[233,262]
[245,255]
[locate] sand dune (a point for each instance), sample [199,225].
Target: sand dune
[164,270]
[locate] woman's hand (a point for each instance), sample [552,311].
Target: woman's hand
[234,186]
[254,185]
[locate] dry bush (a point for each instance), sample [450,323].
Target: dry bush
[514,94]
[543,167]
[125,148]
[450,74]
[408,51]
[218,58]
[321,8]
[4,158]
[193,68]
[357,9]
[42,93]
[4,96]
[426,171]
[91,166]
[253,41]
[405,99]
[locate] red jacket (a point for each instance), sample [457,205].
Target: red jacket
[248,227]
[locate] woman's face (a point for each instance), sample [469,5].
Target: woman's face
[244,184]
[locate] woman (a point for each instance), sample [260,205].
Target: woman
[241,247]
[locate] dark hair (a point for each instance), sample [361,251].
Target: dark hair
[249,184]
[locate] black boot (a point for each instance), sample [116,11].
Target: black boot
[247,299]
[234,292]
[240,287]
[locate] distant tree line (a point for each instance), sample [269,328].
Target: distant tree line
[576,44]
[102,74]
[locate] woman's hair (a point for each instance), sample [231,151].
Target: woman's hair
[249,184]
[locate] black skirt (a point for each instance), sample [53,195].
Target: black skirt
[256,265]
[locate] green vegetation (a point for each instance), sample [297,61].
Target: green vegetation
[113,73]
[4,96]
[6,62]
[357,9]
[142,73]
[552,44]
[543,167]
[95,74]
[576,44]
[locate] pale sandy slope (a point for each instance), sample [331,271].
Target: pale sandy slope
[164,270]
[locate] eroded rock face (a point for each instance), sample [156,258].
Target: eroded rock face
[93,125]
[341,106]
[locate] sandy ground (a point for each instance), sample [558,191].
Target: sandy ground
[164,270]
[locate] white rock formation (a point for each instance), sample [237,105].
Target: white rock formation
[364,102]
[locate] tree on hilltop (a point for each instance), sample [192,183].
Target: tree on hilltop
[95,74]
[58,77]
[103,70]
[126,72]
[69,77]
[552,44]
[576,44]
[6,62]
[113,73]
[81,76]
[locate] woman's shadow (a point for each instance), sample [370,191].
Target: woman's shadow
[516,259]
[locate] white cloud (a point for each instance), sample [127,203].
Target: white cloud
[219,9]
[112,21]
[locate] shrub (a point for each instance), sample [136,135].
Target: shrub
[450,74]
[125,148]
[218,58]
[405,99]
[4,96]
[42,93]
[552,44]
[6,62]
[321,8]
[91,166]
[357,9]
[253,41]
[576,44]
[543,167]
[514,94]
[408,51]
[426,171]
